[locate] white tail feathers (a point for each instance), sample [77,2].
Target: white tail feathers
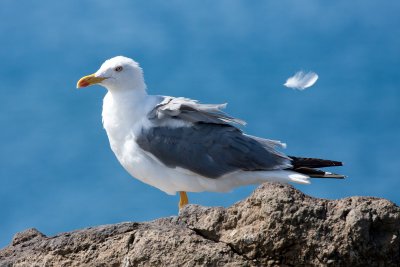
[299,178]
[258,177]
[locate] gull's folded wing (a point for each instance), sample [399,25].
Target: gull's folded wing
[191,111]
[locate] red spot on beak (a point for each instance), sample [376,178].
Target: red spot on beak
[83,84]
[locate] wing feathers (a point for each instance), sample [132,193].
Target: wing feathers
[211,150]
[192,111]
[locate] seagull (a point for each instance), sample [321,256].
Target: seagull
[177,144]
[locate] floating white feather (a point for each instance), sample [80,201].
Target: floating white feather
[301,80]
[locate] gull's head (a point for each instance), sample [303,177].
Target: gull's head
[116,74]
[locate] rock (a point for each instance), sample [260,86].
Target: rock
[276,226]
[29,235]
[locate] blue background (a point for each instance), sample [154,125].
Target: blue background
[57,172]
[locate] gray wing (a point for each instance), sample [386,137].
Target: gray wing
[211,150]
[191,111]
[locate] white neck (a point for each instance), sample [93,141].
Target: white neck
[128,98]
[122,110]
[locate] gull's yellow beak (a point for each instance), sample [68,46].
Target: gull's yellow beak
[89,80]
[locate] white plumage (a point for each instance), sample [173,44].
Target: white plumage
[128,111]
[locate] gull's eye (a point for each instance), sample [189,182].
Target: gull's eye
[118,69]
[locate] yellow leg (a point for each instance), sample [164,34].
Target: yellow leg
[183,199]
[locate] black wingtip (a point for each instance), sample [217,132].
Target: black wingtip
[298,162]
[331,176]
[315,173]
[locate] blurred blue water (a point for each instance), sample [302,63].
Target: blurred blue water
[57,172]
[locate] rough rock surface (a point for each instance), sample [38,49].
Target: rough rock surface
[276,226]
